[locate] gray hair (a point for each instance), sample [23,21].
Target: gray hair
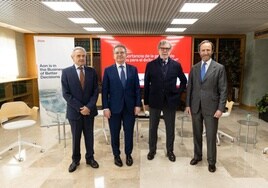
[78,48]
[163,42]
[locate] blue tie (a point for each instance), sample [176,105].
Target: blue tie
[203,71]
[122,75]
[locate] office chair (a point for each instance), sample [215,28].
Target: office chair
[144,115]
[229,106]
[16,116]
[265,150]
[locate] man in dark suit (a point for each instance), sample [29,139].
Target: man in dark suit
[80,90]
[206,98]
[162,94]
[121,100]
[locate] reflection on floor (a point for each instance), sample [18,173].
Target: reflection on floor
[235,167]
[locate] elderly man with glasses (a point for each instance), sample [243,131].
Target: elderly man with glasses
[162,94]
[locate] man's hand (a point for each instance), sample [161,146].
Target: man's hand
[188,110]
[218,114]
[137,110]
[107,113]
[85,111]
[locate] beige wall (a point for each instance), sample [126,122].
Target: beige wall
[20,47]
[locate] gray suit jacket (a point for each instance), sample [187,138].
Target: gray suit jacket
[210,94]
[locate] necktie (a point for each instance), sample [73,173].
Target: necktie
[203,70]
[122,75]
[82,76]
[164,68]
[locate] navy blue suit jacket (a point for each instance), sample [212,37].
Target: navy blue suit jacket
[115,96]
[75,96]
[160,90]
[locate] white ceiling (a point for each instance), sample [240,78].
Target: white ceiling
[137,16]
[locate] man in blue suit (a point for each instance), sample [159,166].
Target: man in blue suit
[80,90]
[162,94]
[121,100]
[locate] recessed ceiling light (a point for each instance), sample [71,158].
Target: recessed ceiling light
[83,20]
[197,7]
[175,29]
[183,21]
[63,6]
[94,29]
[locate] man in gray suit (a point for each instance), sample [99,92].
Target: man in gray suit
[206,98]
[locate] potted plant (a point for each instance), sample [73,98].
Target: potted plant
[262,106]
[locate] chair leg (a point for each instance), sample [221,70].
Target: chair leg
[10,147]
[19,143]
[218,139]
[221,133]
[137,129]
[104,130]
[265,150]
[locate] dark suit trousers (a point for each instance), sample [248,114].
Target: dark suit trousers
[85,125]
[115,123]
[211,125]
[169,118]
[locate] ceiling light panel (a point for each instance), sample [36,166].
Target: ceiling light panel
[183,21]
[197,7]
[63,6]
[175,29]
[94,29]
[83,20]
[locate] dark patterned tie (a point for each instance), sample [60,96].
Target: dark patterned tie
[164,68]
[122,75]
[82,76]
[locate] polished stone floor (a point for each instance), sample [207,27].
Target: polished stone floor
[235,166]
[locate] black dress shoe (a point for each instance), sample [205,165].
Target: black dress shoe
[73,166]
[93,163]
[150,155]
[118,161]
[171,156]
[194,161]
[129,160]
[211,168]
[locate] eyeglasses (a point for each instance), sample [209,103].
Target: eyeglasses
[167,49]
[117,53]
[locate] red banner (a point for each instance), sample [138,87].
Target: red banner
[143,49]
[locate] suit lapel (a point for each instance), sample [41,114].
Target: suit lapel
[128,73]
[210,70]
[86,77]
[115,73]
[74,74]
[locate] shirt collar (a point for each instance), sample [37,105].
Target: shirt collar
[208,62]
[117,65]
[76,66]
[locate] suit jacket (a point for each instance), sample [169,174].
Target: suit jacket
[159,88]
[75,96]
[210,94]
[114,95]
